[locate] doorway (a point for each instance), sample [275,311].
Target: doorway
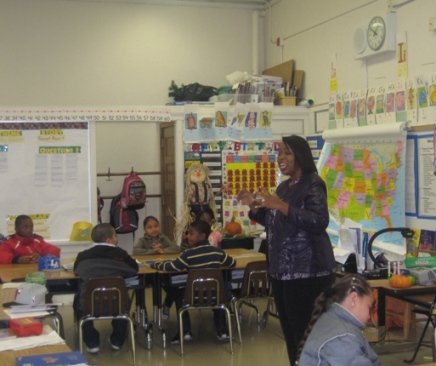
[168,178]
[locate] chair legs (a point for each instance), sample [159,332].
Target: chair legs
[237,307]
[429,319]
[131,331]
[58,323]
[229,322]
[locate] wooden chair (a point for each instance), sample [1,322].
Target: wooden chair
[255,285]
[205,290]
[106,298]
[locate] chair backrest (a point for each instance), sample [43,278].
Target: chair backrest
[204,287]
[255,282]
[106,296]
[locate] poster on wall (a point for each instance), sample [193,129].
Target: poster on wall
[247,170]
[45,173]
[364,171]
[222,122]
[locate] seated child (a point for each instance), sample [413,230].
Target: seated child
[199,255]
[334,335]
[105,258]
[153,241]
[206,215]
[25,246]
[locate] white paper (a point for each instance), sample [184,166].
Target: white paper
[31,314]
[341,255]
[48,337]
[12,285]
[351,239]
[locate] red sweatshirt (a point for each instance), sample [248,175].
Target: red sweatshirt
[17,246]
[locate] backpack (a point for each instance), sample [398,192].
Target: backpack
[192,92]
[133,192]
[124,220]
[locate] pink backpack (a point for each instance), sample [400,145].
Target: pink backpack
[133,194]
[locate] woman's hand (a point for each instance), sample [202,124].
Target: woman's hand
[265,199]
[245,197]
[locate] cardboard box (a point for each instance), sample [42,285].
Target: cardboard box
[284,70]
[286,101]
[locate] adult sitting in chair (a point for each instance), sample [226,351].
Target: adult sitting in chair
[105,258]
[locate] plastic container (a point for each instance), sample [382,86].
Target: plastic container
[24,327]
[36,277]
[428,262]
[81,231]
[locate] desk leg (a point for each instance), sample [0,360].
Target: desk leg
[381,310]
[157,306]
[141,316]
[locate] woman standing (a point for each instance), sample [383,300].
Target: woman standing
[300,256]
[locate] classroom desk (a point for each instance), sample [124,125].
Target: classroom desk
[242,257]
[411,295]
[8,357]
[8,272]
[414,295]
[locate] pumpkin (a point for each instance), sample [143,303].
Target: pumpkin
[398,281]
[233,228]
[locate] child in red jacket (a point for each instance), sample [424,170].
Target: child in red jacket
[25,246]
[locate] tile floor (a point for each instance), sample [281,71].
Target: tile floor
[260,347]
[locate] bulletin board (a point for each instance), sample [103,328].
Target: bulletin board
[247,170]
[45,170]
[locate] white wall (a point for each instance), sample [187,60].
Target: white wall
[94,53]
[79,53]
[313,30]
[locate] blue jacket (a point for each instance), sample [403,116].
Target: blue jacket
[337,340]
[298,244]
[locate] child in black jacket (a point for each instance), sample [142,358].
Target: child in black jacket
[105,258]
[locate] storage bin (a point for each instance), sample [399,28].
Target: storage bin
[286,101]
[24,327]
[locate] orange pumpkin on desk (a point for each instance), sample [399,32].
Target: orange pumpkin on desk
[397,281]
[233,228]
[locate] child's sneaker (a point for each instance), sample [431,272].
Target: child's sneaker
[186,337]
[92,350]
[165,312]
[113,346]
[223,337]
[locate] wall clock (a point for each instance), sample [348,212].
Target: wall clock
[376,33]
[376,37]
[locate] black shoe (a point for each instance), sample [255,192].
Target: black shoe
[186,337]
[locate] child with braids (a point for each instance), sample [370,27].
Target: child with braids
[334,335]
